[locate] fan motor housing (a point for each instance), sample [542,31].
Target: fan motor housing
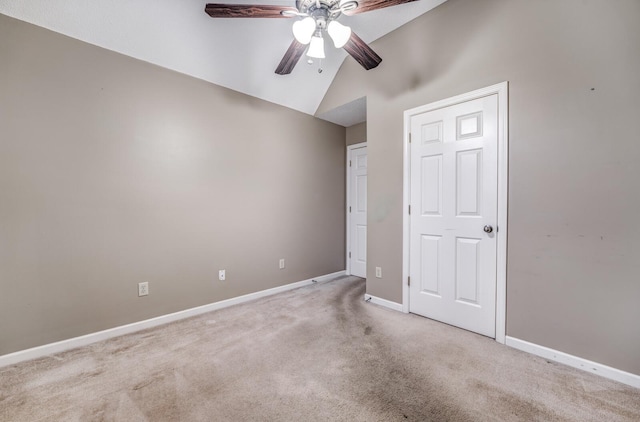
[306,6]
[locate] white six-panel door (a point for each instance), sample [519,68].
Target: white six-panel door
[357,204]
[453,197]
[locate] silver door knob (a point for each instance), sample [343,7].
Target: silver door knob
[488,229]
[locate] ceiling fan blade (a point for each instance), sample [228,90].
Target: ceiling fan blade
[369,5]
[360,51]
[218,10]
[291,58]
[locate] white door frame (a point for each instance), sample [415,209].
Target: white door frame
[348,198]
[501,90]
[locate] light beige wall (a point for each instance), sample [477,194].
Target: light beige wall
[574,179]
[114,171]
[357,133]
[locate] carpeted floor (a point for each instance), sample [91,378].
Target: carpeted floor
[313,354]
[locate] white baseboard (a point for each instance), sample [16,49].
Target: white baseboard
[575,361]
[72,343]
[383,302]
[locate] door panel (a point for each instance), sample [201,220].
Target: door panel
[430,263]
[361,192]
[467,270]
[469,182]
[361,242]
[431,184]
[453,179]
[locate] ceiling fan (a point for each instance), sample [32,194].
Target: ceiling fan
[317,17]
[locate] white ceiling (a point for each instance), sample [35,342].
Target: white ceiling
[240,54]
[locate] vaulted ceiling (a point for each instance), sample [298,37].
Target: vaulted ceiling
[237,53]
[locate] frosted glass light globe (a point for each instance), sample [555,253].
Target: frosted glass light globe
[339,33]
[316,48]
[303,30]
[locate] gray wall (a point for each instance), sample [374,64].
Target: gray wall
[356,134]
[574,181]
[114,171]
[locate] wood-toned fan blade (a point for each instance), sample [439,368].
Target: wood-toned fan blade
[217,10]
[291,58]
[369,5]
[360,51]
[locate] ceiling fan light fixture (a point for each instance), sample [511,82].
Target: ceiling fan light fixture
[339,33]
[303,30]
[316,48]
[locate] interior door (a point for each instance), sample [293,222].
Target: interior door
[357,254]
[454,184]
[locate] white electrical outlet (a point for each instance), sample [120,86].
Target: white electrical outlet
[378,272]
[143,288]
[222,275]
[282,263]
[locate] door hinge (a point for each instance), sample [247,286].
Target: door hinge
[349,209]
[409,137]
[409,209]
[409,281]
[349,163]
[349,254]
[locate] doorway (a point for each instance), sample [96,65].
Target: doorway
[455,222]
[357,209]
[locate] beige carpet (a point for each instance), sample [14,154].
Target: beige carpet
[313,354]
